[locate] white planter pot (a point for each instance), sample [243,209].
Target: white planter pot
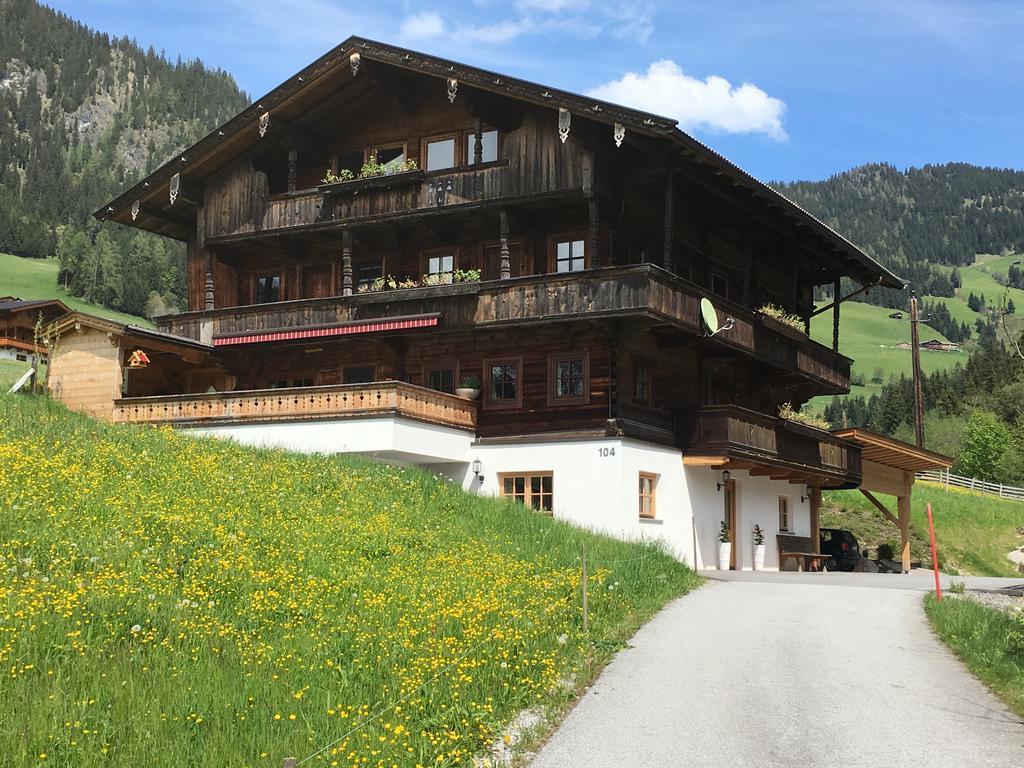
[724,555]
[759,550]
[467,392]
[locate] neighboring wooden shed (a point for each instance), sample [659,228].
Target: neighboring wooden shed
[18,318]
[89,364]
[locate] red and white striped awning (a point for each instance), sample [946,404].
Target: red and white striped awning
[328,331]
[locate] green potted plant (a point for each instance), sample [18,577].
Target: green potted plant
[724,547]
[469,387]
[759,547]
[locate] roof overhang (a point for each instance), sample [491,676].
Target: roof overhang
[164,342]
[893,453]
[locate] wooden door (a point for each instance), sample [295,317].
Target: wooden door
[316,282]
[492,260]
[730,516]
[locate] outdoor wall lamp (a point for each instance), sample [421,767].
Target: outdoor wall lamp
[806,494]
[725,479]
[478,470]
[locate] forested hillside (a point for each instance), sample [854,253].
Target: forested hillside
[923,222]
[83,115]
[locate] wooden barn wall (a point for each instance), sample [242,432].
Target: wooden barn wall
[85,372]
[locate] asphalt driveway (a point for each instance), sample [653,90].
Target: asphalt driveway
[783,674]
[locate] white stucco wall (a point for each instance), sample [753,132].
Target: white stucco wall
[389,438]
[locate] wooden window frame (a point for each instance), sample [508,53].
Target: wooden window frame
[456,136]
[442,365]
[375,148]
[553,360]
[784,504]
[653,496]
[427,253]
[527,493]
[719,274]
[567,237]
[255,278]
[636,364]
[490,404]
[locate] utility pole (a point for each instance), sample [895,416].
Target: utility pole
[916,352]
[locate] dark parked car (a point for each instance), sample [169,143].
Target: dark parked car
[842,547]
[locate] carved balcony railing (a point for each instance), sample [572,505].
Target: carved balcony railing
[388,398]
[642,289]
[746,436]
[375,197]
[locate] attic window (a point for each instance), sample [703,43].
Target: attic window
[440,153]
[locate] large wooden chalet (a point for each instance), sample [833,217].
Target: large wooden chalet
[386,225]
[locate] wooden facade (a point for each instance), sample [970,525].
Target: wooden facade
[519,233]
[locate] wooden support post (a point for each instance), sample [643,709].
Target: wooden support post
[815,518]
[748,258]
[208,295]
[346,263]
[903,506]
[880,507]
[478,141]
[504,266]
[594,237]
[293,168]
[835,314]
[666,256]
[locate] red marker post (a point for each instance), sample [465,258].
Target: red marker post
[935,555]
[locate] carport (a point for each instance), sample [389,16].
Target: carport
[888,467]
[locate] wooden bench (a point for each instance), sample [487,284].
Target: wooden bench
[799,548]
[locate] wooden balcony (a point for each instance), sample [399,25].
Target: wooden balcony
[643,290]
[363,200]
[388,398]
[766,445]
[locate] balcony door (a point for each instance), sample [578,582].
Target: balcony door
[492,260]
[730,516]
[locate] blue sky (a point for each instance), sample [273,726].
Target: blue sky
[788,89]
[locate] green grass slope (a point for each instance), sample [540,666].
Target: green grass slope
[973,531]
[989,641]
[166,600]
[869,336]
[37,279]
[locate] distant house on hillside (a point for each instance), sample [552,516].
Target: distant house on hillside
[932,345]
[18,320]
[538,295]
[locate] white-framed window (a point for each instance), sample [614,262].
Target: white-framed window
[784,520]
[440,263]
[440,153]
[570,256]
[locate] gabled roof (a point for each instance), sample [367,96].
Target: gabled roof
[12,304]
[127,330]
[242,132]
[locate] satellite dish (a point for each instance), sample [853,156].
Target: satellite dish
[709,315]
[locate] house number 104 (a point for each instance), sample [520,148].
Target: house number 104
[605,452]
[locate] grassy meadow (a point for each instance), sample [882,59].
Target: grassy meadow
[973,531]
[990,642]
[166,600]
[37,279]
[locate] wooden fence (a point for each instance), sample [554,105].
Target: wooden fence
[947,479]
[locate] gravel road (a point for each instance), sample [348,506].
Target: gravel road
[782,674]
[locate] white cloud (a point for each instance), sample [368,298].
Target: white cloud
[499,32]
[712,104]
[422,25]
[633,22]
